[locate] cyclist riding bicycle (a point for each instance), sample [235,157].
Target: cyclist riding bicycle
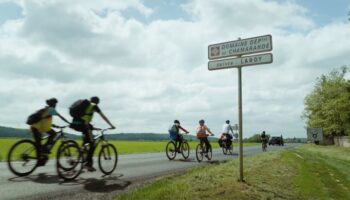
[202,134]
[82,124]
[43,125]
[175,135]
[226,136]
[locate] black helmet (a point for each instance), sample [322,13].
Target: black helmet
[95,100]
[51,102]
[201,121]
[227,121]
[176,121]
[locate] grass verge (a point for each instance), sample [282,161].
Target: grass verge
[307,172]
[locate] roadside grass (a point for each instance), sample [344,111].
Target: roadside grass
[306,172]
[123,147]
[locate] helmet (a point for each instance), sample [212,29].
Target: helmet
[227,121]
[51,102]
[176,121]
[201,121]
[95,100]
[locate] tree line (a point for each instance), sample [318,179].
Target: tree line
[327,106]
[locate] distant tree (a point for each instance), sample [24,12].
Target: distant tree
[349,15]
[328,105]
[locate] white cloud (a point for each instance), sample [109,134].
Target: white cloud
[149,74]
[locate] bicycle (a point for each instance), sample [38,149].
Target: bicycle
[71,158]
[226,149]
[201,151]
[171,150]
[24,156]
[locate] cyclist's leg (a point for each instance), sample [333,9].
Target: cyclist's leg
[37,138]
[207,144]
[180,141]
[49,142]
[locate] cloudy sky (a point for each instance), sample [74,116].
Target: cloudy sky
[147,60]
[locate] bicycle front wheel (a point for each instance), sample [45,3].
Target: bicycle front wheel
[199,153]
[170,150]
[107,158]
[69,161]
[185,150]
[23,157]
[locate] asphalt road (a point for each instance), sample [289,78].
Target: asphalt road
[132,170]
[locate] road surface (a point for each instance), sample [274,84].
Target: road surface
[132,170]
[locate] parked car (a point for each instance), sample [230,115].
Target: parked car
[276,141]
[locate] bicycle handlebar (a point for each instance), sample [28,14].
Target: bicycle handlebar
[60,127]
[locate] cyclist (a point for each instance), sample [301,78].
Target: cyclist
[83,125]
[175,135]
[264,139]
[203,136]
[44,126]
[226,136]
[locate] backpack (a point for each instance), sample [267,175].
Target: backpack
[78,108]
[36,117]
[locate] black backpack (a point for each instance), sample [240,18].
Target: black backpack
[78,108]
[36,117]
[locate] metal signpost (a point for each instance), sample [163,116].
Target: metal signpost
[237,49]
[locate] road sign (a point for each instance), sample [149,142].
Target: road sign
[240,47]
[315,134]
[239,62]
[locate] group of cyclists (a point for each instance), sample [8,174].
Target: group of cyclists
[81,123]
[82,112]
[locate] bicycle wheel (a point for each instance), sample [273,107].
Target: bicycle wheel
[63,163]
[107,158]
[185,150]
[224,149]
[210,153]
[170,150]
[69,161]
[230,149]
[23,157]
[199,153]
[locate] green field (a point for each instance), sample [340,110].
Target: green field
[124,147]
[306,172]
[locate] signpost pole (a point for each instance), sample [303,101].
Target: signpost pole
[240,124]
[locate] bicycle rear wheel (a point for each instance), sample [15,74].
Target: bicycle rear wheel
[224,149]
[107,158]
[23,157]
[185,150]
[69,161]
[170,150]
[199,153]
[210,154]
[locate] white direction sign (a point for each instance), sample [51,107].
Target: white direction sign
[239,62]
[240,47]
[315,134]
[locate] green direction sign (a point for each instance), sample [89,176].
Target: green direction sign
[239,62]
[240,47]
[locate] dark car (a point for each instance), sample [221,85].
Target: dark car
[276,141]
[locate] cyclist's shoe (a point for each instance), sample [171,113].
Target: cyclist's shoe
[90,168]
[42,161]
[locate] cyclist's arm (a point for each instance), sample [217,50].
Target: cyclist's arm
[64,119]
[210,131]
[180,127]
[106,120]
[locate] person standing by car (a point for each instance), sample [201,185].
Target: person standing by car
[202,135]
[264,140]
[82,124]
[175,135]
[226,136]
